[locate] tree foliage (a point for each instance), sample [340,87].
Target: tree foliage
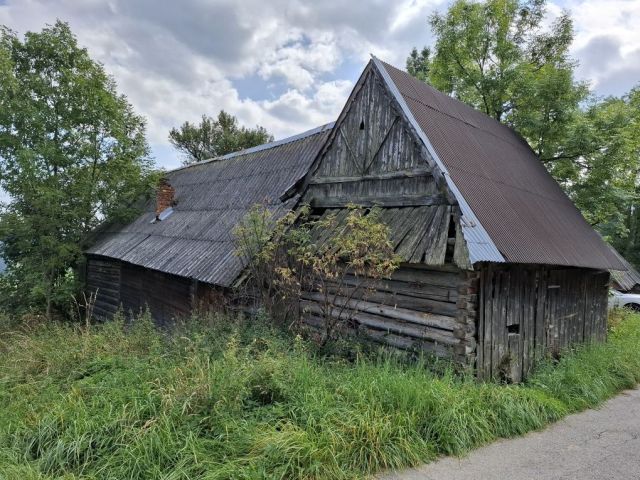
[72,155]
[605,183]
[213,138]
[496,56]
[287,260]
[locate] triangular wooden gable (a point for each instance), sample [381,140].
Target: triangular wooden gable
[373,157]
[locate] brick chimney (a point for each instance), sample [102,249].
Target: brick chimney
[164,196]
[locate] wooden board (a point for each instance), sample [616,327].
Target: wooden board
[527,312]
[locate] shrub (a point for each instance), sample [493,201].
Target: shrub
[294,256]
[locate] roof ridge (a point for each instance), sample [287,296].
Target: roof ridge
[259,148]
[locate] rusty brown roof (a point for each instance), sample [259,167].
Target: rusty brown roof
[521,207]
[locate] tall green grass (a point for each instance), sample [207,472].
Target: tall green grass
[226,400]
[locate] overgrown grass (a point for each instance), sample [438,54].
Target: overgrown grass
[227,401]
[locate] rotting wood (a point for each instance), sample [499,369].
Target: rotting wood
[427,319]
[522,319]
[399,174]
[372,201]
[409,329]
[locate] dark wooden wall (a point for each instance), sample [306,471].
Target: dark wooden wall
[168,297]
[134,289]
[500,318]
[526,312]
[103,277]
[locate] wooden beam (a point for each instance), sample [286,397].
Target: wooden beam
[354,158]
[370,201]
[418,172]
[371,158]
[384,323]
[426,319]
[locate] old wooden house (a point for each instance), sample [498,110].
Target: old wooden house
[499,267]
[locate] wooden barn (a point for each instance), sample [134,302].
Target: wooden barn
[499,267]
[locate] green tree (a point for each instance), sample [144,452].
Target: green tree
[72,155]
[496,56]
[213,138]
[605,183]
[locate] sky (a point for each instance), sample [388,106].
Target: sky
[287,65]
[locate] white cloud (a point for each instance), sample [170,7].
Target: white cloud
[178,60]
[606,43]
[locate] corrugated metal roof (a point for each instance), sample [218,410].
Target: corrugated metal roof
[506,190]
[196,240]
[628,280]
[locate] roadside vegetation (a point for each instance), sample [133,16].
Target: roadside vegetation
[225,399]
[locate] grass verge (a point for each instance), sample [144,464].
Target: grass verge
[227,401]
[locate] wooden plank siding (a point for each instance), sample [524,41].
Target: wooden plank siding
[374,158]
[528,311]
[134,289]
[166,296]
[103,280]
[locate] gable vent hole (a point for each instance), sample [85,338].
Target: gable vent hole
[362,125]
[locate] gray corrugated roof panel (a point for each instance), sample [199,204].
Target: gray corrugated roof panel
[628,280]
[196,240]
[514,210]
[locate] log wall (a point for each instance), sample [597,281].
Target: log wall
[103,279]
[429,310]
[502,319]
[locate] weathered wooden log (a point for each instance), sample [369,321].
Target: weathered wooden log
[371,201]
[386,324]
[447,279]
[417,172]
[427,319]
[399,300]
[415,289]
[387,338]
[404,343]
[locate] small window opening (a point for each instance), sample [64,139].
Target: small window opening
[513,329]
[451,242]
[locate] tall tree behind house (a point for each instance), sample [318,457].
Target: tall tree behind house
[498,56]
[213,138]
[73,154]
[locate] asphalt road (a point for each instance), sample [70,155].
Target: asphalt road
[599,444]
